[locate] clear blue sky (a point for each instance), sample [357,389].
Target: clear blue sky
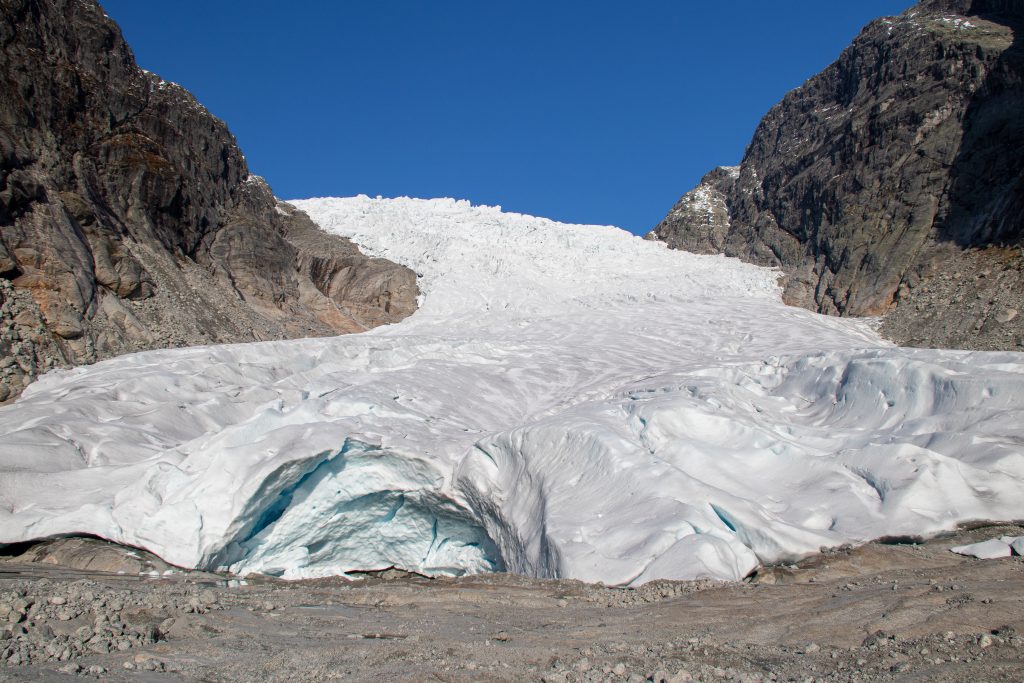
[587,112]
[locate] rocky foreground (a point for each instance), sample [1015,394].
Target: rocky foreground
[879,612]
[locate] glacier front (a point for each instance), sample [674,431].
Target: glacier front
[568,401]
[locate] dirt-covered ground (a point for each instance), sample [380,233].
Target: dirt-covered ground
[876,613]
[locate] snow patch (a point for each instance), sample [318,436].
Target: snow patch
[992,549]
[958,22]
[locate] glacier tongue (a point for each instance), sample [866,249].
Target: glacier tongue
[569,401]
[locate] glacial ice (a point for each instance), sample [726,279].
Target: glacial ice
[569,401]
[992,549]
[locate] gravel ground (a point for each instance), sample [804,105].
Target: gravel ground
[880,612]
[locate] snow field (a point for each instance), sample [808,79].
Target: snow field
[569,401]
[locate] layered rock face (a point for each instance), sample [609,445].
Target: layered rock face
[892,183]
[129,220]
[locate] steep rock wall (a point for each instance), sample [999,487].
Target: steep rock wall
[895,174]
[129,219]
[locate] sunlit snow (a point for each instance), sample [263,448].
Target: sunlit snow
[569,401]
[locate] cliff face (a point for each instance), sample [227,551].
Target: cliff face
[129,220]
[892,183]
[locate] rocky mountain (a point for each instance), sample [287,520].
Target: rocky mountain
[129,219]
[892,183]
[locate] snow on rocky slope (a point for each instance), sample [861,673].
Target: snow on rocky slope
[569,401]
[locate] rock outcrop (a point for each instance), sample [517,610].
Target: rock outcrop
[892,183]
[129,219]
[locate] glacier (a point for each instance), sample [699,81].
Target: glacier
[568,401]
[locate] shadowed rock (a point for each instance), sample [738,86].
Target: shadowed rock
[88,554]
[891,183]
[129,219]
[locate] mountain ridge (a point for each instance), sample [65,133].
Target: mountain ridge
[129,219]
[891,182]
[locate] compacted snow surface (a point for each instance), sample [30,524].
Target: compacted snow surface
[569,401]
